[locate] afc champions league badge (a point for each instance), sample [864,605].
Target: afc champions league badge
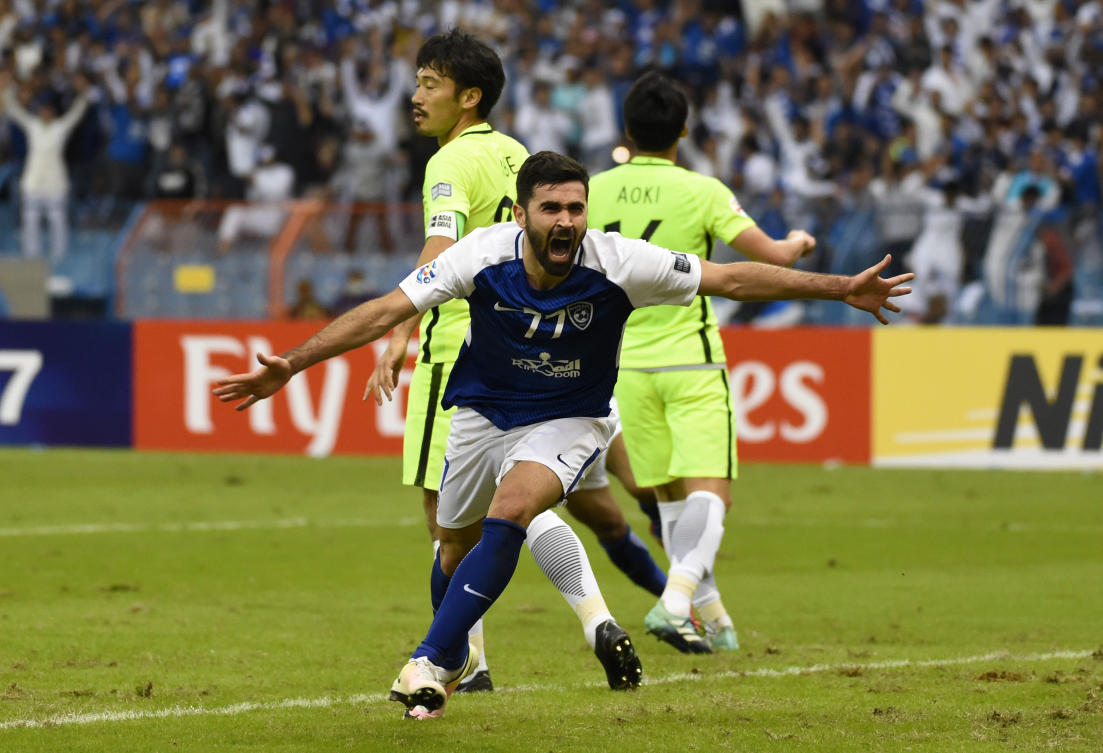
[427,272]
[581,314]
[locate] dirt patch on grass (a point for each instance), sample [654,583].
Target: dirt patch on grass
[1000,675]
[1005,718]
[115,588]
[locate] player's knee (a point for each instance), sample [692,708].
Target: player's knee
[515,508]
[451,553]
[610,530]
[598,511]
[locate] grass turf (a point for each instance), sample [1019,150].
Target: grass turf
[212,603]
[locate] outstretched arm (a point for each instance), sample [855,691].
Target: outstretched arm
[359,326]
[751,281]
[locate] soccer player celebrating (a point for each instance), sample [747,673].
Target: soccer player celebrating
[534,379]
[470,183]
[673,390]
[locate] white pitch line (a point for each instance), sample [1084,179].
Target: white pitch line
[205,525]
[327,701]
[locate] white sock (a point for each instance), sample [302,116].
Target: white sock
[669,512]
[694,540]
[707,601]
[560,555]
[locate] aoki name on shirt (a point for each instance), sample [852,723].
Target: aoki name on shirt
[638,195]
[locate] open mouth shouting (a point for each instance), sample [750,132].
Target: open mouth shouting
[561,247]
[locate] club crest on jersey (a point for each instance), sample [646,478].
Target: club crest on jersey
[440,189]
[427,272]
[581,314]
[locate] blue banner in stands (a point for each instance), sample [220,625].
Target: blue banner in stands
[65,383]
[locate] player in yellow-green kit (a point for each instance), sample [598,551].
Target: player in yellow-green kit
[675,401]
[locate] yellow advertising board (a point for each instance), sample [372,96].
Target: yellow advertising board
[988,398]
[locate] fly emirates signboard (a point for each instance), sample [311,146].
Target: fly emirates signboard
[800,395]
[320,412]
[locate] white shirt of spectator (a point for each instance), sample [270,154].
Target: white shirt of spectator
[44,173]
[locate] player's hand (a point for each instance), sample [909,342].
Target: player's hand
[870,292]
[273,374]
[385,377]
[803,241]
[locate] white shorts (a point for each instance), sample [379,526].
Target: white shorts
[596,477]
[479,455]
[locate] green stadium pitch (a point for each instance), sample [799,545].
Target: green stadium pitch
[159,602]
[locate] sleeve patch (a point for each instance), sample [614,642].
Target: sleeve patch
[681,263]
[737,207]
[442,221]
[427,273]
[440,189]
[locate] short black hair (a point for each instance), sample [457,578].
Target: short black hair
[655,112]
[548,169]
[468,61]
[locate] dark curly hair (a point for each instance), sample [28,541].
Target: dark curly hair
[548,169]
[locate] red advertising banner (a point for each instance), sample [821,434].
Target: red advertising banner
[801,395]
[320,412]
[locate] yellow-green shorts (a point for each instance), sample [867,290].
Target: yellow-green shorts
[426,426]
[677,424]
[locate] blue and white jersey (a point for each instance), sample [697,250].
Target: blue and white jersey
[534,355]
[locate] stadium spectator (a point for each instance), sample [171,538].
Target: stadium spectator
[938,256]
[368,162]
[1015,259]
[44,184]
[541,126]
[597,120]
[356,290]
[270,183]
[306,304]
[126,122]
[180,177]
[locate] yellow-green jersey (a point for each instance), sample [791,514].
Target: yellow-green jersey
[658,201]
[471,182]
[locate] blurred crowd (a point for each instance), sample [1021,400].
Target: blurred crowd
[908,117]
